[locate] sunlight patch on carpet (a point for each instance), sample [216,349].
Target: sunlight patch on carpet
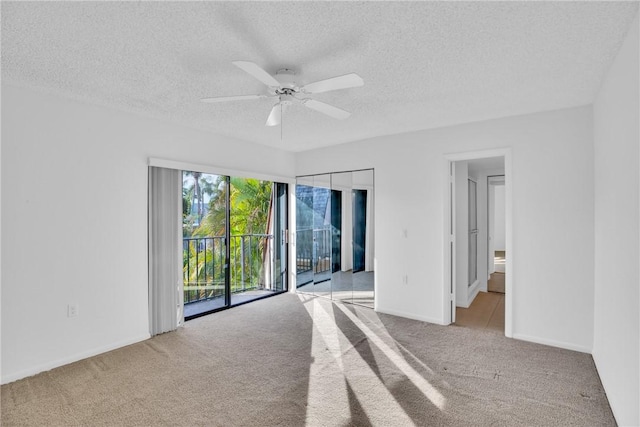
[336,364]
[418,380]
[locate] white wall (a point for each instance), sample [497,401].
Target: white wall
[499,220]
[410,193]
[74,214]
[0,245]
[485,218]
[617,214]
[491,195]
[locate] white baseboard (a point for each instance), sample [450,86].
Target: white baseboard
[70,359]
[553,343]
[411,316]
[464,301]
[473,292]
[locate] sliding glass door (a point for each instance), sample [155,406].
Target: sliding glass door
[281,229]
[205,217]
[234,241]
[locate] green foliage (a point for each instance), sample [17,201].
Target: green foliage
[196,188]
[250,201]
[213,223]
[203,268]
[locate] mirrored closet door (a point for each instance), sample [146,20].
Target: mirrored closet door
[335,236]
[322,235]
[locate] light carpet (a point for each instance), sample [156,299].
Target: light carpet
[294,360]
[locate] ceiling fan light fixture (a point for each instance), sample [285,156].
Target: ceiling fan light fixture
[275,117]
[287,99]
[286,77]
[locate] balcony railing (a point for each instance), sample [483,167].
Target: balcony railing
[313,250]
[204,265]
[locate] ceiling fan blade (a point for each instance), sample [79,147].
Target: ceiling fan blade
[275,116]
[327,109]
[257,72]
[232,98]
[334,83]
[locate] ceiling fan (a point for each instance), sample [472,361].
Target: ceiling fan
[283,87]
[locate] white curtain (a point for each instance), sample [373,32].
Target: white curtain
[165,250]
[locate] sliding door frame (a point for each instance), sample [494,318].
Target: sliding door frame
[227,248]
[289,212]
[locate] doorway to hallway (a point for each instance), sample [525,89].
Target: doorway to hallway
[477,285]
[485,312]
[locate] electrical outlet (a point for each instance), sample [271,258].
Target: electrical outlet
[72,310]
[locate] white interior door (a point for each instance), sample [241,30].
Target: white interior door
[473,232]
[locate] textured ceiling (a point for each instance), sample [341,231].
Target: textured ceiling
[424,65]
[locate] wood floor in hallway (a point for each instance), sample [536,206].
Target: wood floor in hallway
[496,282]
[485,312]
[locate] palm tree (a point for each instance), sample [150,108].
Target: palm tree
[250,201]
[197,186]
[214,222]
[194,194]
